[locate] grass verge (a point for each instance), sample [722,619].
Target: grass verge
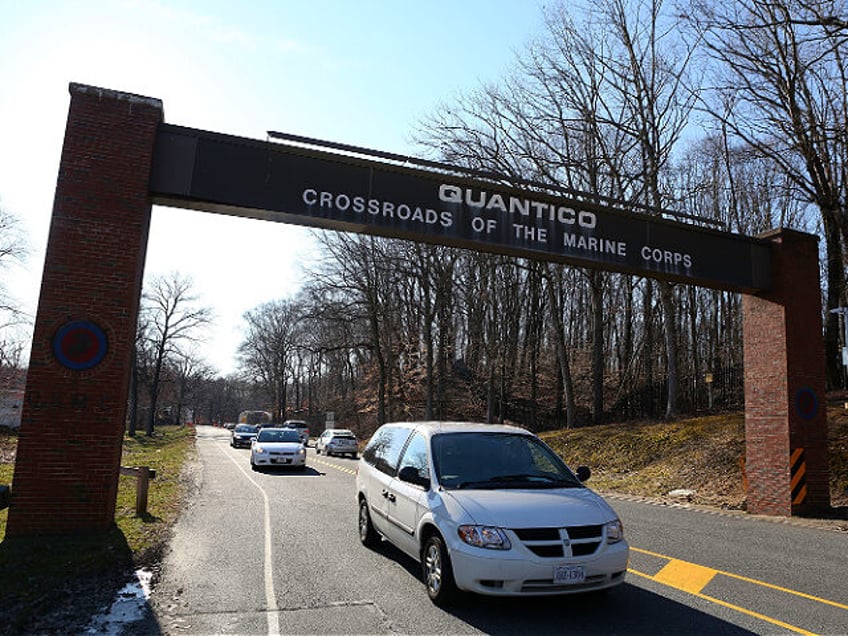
[50,584]
[651,459]
[704,455]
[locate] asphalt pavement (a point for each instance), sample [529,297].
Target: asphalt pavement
[278,552]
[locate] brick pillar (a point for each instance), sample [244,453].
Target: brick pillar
[69,450]
[785,403]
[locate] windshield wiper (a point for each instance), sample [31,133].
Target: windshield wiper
[488,483]
[535,480]
[543,480]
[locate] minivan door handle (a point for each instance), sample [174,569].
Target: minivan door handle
[387,495]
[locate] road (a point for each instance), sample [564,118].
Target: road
[266,553]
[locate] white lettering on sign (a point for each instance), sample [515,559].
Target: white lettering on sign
[342,202]
[479,224]
[530,233]
[541,210]
[666,257]
[594,244]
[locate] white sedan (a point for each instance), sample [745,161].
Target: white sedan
[277,447]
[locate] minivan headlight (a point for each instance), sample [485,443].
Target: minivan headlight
[484,537]
[615,531]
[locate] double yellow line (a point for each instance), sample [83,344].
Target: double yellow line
[693,578]
[315,460]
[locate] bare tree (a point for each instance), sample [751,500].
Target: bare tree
[268,351]
[140,365]
[13,248]
[191,372]
[431,273]
[173,318]
[599,107]
[365,272]
[781,88]
[554,286]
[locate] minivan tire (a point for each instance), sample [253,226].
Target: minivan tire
[437,571]
[368,536]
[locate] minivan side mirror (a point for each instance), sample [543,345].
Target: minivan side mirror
[411,475]
[583,473]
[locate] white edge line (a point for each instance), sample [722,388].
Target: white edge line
[272,612]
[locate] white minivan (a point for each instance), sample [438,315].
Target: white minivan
[489,509]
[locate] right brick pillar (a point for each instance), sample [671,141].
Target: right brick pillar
[786,453]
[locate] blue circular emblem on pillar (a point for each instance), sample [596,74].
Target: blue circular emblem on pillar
[80,345]
[806,403]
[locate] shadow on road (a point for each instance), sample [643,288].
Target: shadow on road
[288,471]
[626,609]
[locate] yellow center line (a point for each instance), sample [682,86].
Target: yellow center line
[685,576]
[739,577]
[693,578]
[350,471]
[762,617]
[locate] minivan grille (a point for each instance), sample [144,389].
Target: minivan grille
[571,541]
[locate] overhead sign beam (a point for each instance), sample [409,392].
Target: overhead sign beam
[332,190]
[118,158]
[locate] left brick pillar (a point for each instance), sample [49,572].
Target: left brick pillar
[74,411]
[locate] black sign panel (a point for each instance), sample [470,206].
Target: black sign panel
[220,173]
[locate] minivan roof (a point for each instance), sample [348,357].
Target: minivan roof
[437,427]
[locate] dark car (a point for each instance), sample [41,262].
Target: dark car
[243,435]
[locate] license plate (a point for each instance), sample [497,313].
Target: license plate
[281,461]
[569,574]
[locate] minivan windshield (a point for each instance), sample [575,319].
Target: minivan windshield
[482,460]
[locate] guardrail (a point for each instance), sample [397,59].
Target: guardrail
[143,475]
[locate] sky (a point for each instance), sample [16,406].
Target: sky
[361,72]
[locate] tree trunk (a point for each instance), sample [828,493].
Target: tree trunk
[133,423]
[596,279]
[835,294]
[648,349]
[561,351]
[670,334]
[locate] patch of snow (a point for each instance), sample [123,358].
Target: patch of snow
[128,607]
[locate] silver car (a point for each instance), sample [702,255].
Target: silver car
[337,441]
[301,427]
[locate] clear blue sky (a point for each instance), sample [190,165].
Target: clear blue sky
[362,72]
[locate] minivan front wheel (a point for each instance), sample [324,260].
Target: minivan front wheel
[437,571]
[368,536]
